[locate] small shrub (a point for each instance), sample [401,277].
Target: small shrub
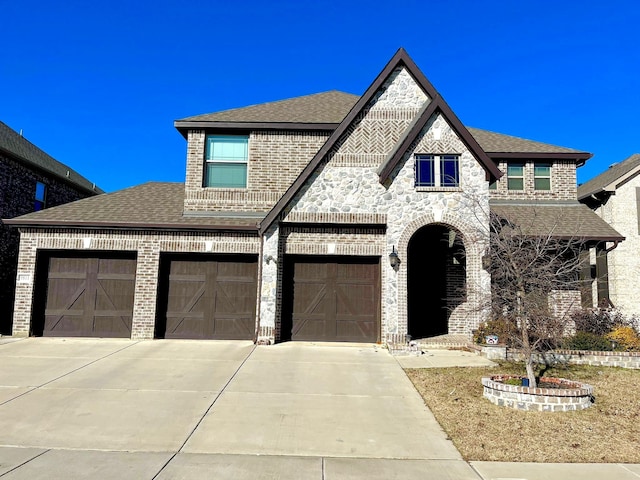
[587,341]
[599,321]
[626,338]
[502,327]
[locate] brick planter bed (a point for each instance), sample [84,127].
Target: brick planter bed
[574,395]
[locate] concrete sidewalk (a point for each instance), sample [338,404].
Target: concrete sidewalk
[120,409]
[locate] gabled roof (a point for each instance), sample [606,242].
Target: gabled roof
[563,221]
[401,58]
[22,150]
[611,178]
[437,105]
[325,111]
[148,206]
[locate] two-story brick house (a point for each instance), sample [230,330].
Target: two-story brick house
[30,180]
[324,217]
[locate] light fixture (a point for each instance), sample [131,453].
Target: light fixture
[394,260]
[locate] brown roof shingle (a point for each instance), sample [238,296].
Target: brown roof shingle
[497,142]
[570,221]
[150,205]
[326,107]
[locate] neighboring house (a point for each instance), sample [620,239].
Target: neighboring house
[615,196]
[325,217]
[30,180]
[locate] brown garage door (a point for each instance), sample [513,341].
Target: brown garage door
[209,297]
[333,299]
[89,297]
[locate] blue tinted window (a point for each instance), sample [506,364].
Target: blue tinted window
[449,171]
[40,196]
[226,161]
[424,171]
[437,171]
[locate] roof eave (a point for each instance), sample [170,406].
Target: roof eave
[578,156]
[27,223]
[184,126]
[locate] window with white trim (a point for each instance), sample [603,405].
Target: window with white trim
[542,176]
[515,176]
[226,158]
[437,170]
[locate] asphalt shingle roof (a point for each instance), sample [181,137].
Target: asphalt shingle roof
[609,176]
[331,107]
[498,142]
[575,221]
[16,146]
[150,205]
[326,107]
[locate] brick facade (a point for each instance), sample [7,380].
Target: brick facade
[17,195]
[563,182]
[147,245]
[622,212]
[286,153]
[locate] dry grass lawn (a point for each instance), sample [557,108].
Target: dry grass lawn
[607,432]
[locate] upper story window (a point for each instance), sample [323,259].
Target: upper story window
[515,176]
[40,200]
[542,176]
[226,159]
[437,171]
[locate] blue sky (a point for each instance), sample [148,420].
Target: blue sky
[98,84]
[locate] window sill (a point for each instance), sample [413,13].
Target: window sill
[438,189]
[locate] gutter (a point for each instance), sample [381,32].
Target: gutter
[172,227]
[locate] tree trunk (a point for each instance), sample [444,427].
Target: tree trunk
[530,372]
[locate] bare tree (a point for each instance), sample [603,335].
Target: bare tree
[526,269]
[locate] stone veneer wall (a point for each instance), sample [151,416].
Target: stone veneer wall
[582,357]
[622,212]
[346,183]
[148,245]
[563,183]
[574,396]
[276,158]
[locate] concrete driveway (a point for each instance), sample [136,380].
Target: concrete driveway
[80,408]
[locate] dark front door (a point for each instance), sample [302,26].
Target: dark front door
[89,297]
[332,299]
[436,285]
[209,297]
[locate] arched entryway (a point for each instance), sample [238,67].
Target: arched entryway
[436,272]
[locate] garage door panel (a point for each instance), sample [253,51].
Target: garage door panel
[358,328]
[309,327]
[211,297]
[334,298]
[89,296]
